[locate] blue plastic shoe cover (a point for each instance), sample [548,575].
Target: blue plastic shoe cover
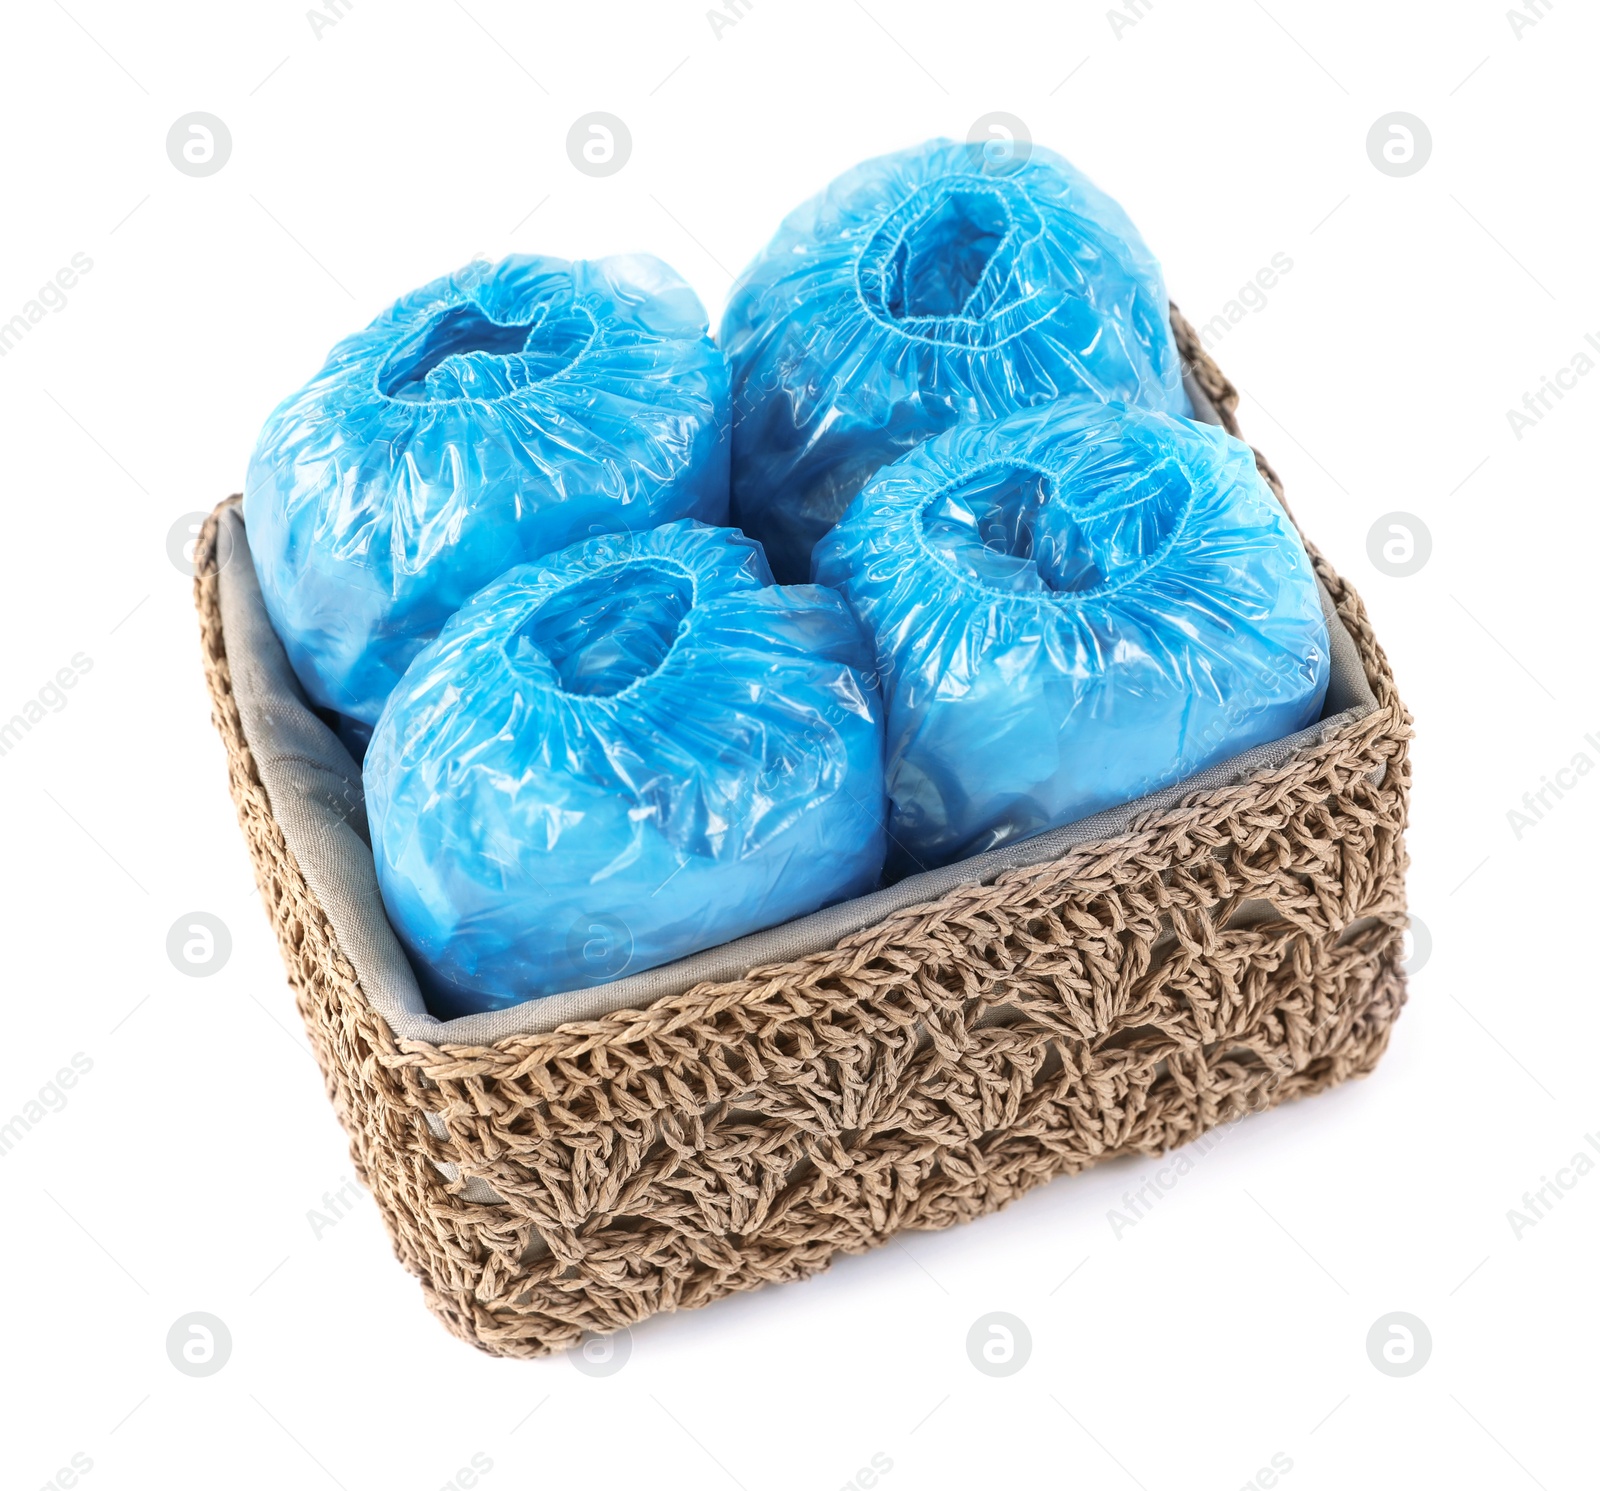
[488,418]
[919,289]
[635,749]
[1073,606]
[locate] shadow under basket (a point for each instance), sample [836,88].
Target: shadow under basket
[1225,948]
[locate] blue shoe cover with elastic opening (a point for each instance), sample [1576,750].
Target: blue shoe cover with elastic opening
[486,419]
[1072,607]
[935,285]
[630,751]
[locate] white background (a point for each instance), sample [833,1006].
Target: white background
[1227,1326]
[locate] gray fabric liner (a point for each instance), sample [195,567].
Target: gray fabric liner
[314,786]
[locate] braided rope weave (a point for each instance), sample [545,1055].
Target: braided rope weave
[925,1071]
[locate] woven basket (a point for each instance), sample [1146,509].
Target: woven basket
[924,1071]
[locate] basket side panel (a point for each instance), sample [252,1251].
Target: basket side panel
[375,1100]
[1068,1023]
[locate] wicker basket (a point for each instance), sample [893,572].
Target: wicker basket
[923,1071]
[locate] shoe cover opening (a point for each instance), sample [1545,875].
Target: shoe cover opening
[462,328]
[462,353]
[940,262]
[1022,528]
[609,631]
[1115,511]
[986,523]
